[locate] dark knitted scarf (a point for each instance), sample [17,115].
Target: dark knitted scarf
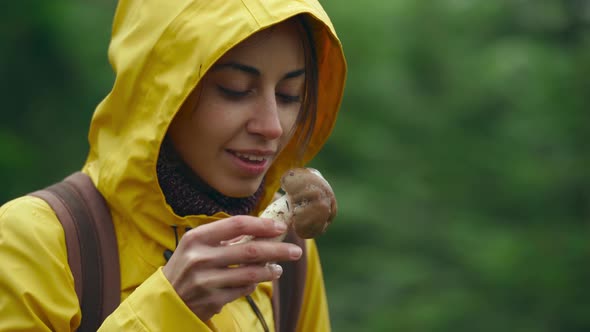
[187,194]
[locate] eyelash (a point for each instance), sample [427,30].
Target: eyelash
[235,95]
[232,93]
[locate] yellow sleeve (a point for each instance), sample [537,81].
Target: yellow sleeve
[36,285]
[37,288]
[314,314]
[154,306]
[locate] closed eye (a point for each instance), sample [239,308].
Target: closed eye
[288,99]
[238,94]
[234,94]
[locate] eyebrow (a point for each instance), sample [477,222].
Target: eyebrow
[254,71]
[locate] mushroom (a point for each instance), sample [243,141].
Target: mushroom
[309,204]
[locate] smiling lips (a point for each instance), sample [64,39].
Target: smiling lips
[250,157]
[253,163]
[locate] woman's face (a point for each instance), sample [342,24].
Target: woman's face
[232,127]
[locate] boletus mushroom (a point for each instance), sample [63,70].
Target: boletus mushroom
[309,204]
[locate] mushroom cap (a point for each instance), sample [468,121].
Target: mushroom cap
[312,199]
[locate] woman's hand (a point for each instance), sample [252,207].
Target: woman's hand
[207,272]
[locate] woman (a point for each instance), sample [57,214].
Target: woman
[212,102]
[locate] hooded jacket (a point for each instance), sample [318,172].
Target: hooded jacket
[159,51]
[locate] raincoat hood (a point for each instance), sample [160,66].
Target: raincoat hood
[159,51]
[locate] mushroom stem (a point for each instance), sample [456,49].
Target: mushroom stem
[280,211]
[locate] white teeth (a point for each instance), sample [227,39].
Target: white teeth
[250,157]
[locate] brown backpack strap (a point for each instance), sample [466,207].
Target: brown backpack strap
[91,243]
[287,296]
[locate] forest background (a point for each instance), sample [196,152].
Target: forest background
[460,159]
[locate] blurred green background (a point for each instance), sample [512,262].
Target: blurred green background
[461,157]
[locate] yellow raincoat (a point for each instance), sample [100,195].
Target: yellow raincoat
[159,51]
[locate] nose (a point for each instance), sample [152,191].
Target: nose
[266,120]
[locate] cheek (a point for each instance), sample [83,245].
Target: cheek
[288,122]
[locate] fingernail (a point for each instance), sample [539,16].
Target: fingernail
[295,252]
[277,269]
[280,226]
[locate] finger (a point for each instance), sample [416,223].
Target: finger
[241,276]
[255,252]
[230,228]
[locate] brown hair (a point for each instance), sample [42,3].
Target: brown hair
[306,118]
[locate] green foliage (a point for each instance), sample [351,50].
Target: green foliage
[459,157]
